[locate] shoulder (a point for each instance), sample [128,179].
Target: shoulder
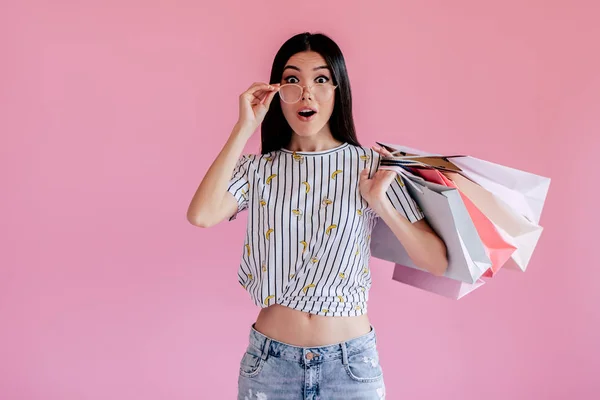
[253,158]
[256,162]
[365,153]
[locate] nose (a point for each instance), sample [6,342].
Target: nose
[306,89]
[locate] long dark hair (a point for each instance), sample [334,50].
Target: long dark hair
[275,131]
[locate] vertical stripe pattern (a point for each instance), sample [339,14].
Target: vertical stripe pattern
[307,244]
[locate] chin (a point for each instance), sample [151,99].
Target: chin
[307,130]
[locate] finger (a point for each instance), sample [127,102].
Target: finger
[389,177]
[364,174]
[270,97]
[392,174]
[384,152]
[256,88]
[256,84]
[261,95]
[265,97]
[384,174]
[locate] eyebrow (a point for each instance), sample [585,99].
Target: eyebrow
[298,69]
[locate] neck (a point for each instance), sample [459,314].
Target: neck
[318,142]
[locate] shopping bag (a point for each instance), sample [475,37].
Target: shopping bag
[497,249]
[508,214]
[446,213]
[441,285]
[514,227]
[523,191]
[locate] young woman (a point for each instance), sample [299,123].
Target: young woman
[313,196]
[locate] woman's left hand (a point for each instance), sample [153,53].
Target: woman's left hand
[374,189]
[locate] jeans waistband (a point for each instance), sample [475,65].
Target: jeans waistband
[271,347]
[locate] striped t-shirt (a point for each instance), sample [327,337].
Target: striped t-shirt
[308,228]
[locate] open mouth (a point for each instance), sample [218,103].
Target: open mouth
[306,114]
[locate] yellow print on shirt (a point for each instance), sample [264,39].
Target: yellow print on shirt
[268,233]
[268,181]
[328,230]
[304,244]
[334,174]
[267,299]
[307,186]
[298,157]
[305,288]
[399,180]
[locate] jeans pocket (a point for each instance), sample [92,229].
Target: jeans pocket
[251,363]
[364,366]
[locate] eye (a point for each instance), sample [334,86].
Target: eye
[322,79]
[291,79]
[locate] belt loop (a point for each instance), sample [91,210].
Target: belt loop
[265,350]
[344,353]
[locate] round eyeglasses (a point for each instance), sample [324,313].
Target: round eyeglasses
[292,92]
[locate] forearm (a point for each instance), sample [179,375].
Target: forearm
[209,195]
[425,248]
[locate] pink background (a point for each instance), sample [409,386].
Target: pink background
[112,111]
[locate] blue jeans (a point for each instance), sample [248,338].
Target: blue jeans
[350,370]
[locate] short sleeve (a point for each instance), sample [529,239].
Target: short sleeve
[402,200]
[239,185]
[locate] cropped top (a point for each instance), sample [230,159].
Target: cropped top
[308,228]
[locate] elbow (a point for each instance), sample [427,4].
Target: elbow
[441,266]
[199,221]
[438,266]
[440,269]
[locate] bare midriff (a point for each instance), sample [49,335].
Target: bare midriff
[302,329]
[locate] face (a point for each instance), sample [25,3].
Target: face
[305,69]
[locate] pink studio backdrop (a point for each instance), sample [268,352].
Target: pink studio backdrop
[112,111]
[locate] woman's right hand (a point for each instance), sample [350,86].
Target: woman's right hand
[255,102]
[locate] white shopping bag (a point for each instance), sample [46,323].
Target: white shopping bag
[523,191]
[447,215]
[441,285]
[514,210]
[512,226]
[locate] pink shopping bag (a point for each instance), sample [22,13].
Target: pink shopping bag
[498,250]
